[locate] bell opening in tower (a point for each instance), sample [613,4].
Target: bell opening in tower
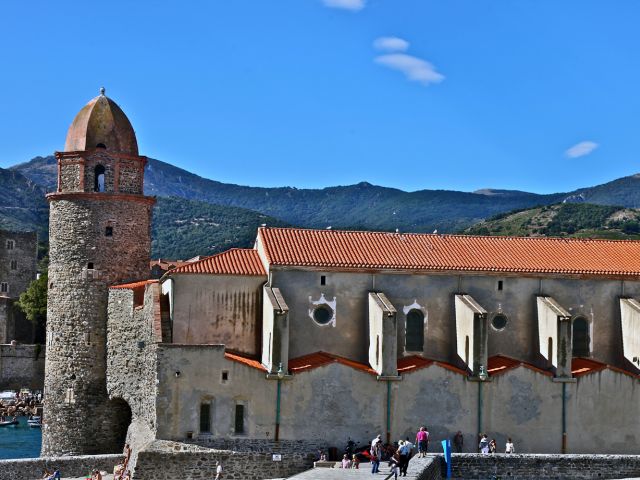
[99,178]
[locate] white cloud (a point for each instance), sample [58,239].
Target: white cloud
[353,5]
[581,149]
[414,68]
[391,44]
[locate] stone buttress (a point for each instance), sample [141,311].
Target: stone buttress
[99,235]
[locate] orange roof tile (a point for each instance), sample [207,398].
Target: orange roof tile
[134,285]
[319,359]
[237,261]
[414,362]
[585,366]
[244,359]
[430,252]
[499,364]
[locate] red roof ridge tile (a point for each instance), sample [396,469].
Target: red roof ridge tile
[248,360]
[133,285]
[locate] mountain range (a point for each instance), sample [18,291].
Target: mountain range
[185,197]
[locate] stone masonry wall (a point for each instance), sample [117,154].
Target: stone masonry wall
[172,460]
[551,467]
[21,366]
[32,468]
[25,255]
[78,416]
[131,360]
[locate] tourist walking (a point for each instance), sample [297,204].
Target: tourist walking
[458,442]
[218,471]
[484,444]
[405,456]
[493,446]
[509,448]
[422,439]
[346,462]
[376,454]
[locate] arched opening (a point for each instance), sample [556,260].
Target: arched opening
[120,419]
[581,338]
[414,340]
[99,178]
[101,145]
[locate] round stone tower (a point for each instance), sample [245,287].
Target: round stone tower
[99,235]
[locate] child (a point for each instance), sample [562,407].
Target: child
[355,463]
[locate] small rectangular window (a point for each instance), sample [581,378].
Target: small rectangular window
[4,287]
[205,418]
[10,244]
[90,266]
[14,264]
[225,376]
[108,232]
[499,284]
[239,420]
[323,280]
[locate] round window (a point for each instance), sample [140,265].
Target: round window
[499,321]
[322,314]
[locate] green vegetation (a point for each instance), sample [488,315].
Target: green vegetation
[33,301]
[564,220]
[185,228]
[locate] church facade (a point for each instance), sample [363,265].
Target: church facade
[318,336]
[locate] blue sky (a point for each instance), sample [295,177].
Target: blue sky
[413,94]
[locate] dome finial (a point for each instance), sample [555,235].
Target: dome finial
[102,91]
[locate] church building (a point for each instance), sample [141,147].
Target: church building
[313,337]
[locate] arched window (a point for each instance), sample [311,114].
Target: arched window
[101,145]
[414,340]
[581,338]
[99,178]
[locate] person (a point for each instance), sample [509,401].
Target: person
[422,439]
[376,440]
[376,454]
[46,474]
[96,475]
[355,462]
[509,447]
[56,474]
[405,456]
[493,446]
[346,462]
[218,471]
[323,456]
[458,442]
[484,444]
[395,469]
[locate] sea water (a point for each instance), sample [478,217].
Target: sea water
[20,441]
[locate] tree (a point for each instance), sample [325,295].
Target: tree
[33,301]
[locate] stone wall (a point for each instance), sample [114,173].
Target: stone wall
[552,467]
[172,460]
[24,255]
[84,260]
[131,359]
[32,468]
[21,366]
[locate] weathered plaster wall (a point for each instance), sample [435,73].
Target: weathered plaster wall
[21,366]
[603,413]
[334,402]
[200,379]
[218,309]
[597,300]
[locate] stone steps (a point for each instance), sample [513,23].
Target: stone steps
[416,467]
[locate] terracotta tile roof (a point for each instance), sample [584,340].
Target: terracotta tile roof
[319,359]
[134,285]
[237,261]
[244,359]
[585,366]
[499,364]
[431,252]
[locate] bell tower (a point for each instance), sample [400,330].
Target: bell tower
[99,235]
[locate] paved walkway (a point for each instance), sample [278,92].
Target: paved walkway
[416,466]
